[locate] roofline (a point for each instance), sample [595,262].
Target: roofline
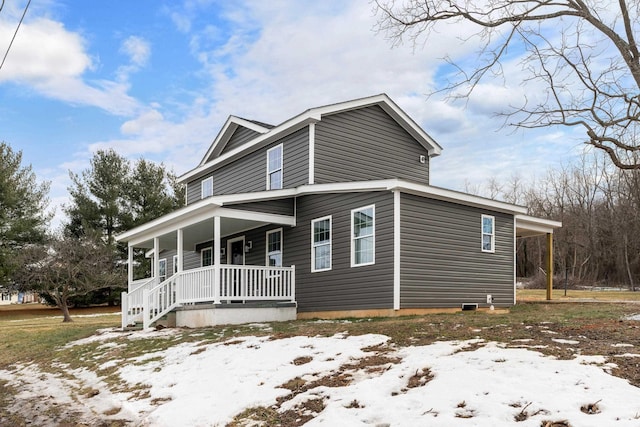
[536,226]
[204,208]
[314,115]
[228,129]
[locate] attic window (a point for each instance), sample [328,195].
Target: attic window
[206,188]
[274,168]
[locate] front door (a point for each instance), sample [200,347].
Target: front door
[236,251]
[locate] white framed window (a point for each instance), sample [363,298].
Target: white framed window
[206,188]
[363,236]
[274,248]
[175,264]
[274,168]
[206,258]
[162,270]
[488,233]
[321,244]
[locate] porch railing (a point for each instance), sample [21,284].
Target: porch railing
[234,283]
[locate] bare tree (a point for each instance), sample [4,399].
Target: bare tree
[581,56]
[67,267]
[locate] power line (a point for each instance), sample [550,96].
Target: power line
[14,34]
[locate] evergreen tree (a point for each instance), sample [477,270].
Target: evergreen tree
[23,203]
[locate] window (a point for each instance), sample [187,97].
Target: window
[206,258]
[162,271]
[321,244]
[363,236]
[206,188]
[175,264]
[488,233]
[274,168]
[274,248]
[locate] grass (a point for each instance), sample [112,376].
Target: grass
[576,294]
[39,336]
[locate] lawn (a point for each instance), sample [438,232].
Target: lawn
[35,342]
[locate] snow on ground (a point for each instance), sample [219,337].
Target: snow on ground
[473,384]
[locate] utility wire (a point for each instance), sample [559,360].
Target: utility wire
[1,5]
[14,34]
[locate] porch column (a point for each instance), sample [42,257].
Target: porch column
[549,265]
[180,244]
[216,259]
[130,266]
[156,257]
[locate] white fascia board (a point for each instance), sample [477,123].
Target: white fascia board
[277,132]
[459,198]
[187,215]
[531,226]
[229,127]
[256,216]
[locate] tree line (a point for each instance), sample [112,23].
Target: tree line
[599,207]
[79,264]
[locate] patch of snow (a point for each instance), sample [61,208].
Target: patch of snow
[549,332]
[486,381]
[563,341]
[634,317]
[621,344]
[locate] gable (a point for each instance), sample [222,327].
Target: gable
[234,133]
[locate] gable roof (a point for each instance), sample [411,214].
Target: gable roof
[215,157]
[228,129]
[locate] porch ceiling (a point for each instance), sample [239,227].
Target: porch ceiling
[529,226]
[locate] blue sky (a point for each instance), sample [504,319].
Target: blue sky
[157,79]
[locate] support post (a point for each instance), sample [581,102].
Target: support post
[293,283]
[216,259]
[124,309]
[549,265]
[130,268]
[179,253]
[156,257]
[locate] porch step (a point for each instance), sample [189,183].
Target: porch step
[166,321]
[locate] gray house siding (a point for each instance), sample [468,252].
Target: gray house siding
[249,173]
[442,264]
[241,136]
[366,144]
[279,206]
[343,287]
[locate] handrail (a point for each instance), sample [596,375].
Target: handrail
[153,300]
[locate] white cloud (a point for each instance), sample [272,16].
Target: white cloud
[51,60]
[138,50]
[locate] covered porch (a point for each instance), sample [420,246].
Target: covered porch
[528,226]
[204,272]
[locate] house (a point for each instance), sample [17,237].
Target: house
[328,214]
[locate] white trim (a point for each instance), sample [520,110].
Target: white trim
[312,115]
[266,246]
[515,260]
[281,168]
[202,251]
[229,254]
[202,184]
[313,246]
[175,264]
[312,153]
[396,249]
[353,237]
[226,132]
[180,249]
[528,226]
[493,233]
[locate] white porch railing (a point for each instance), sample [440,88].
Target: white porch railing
[235,283]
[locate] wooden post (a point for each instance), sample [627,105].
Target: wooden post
[549,266]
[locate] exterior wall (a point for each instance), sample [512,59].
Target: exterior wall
[343,287]
[257,255]
[442,264]
[190,259]
[241,136]
[366,144]
[249,173]
[280,206]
